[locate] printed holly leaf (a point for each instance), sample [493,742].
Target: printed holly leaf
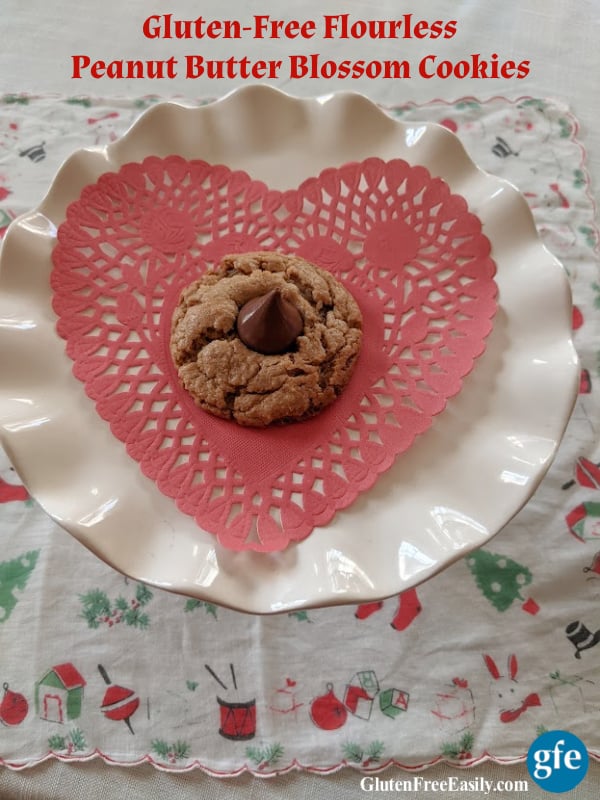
[143,594]
[591,238]
[14,575]
[96,605]
[565,128]
[160,747]
[365,756]
[96,599]
[450,750]
[272,753]
[578,178]
[180,749]
[79,101]
[170,752]
[192,605]
[461,749]
[301,616]
[12,99]
[91,618]
[136,619]
[121,604]
[375,750]
[144,102]
[192,685]
[57,742]
[265,756]
[539,105]
[254,754]
[353,752]
[399,111]
[78,739]
[99,609]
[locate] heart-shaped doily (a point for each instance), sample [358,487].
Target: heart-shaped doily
[408,249]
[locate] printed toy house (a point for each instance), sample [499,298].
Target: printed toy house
[59,694]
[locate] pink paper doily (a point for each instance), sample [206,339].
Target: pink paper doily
[408,249]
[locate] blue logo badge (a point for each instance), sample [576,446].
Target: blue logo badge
[557,761]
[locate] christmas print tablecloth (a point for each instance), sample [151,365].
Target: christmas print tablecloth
[472,665]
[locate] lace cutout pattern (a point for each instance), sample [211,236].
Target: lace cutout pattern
[408,249]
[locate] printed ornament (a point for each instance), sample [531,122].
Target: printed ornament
[327,711]
[410,252]
[13,707]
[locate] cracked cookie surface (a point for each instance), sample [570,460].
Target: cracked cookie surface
[232,381]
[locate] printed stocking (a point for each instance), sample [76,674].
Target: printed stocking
[365,610]
[408,608]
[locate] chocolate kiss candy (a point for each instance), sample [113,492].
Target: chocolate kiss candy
[269,324]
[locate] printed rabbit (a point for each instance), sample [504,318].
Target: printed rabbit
[513,702]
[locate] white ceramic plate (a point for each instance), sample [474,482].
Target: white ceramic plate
[458,485]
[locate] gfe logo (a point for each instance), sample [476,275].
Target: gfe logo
[557,761]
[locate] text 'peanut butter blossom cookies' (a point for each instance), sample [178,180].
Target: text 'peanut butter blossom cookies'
[265,338]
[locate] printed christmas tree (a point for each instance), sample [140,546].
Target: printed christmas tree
[14,575]
[500,579]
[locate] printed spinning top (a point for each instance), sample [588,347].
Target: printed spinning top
[119,703]
[269,324]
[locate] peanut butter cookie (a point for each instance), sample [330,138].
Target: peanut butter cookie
[265,338]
